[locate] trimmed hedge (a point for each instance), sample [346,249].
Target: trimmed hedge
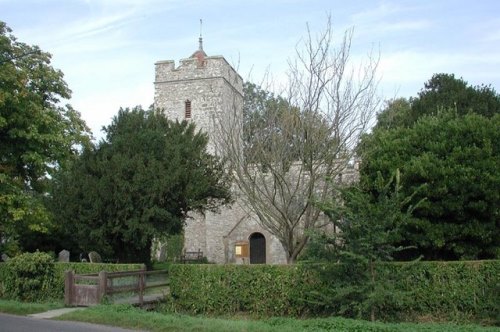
[29,277]
[457,291]
[53,280]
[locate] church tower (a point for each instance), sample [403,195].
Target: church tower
[203,89]
[209,92]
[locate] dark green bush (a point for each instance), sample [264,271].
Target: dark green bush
[30,277]
[456,291]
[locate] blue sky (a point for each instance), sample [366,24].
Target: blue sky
[107,48]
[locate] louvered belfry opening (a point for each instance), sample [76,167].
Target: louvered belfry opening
[187,109]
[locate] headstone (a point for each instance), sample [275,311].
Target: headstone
[5,257]
[95,257]
[163,253]
[64,256]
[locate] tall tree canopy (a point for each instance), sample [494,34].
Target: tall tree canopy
[37,134]
[448,139]
[442,91]
[290,144]
[141,181]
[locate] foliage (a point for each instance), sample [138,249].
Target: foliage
[30,277]
[290,142]
[442,91]
[260,290]
[173,246]
[458,291]
[457,159]
[395,114]
[130,317]
[37,134]
[367,227]
[268,119]
[366,230]
[446,91]
[140,182]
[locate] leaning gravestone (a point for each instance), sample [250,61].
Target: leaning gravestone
[95,257]
[5,257]
[64,256]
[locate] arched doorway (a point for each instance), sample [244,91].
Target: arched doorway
[257,249]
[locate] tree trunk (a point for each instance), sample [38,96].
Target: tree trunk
[372,277]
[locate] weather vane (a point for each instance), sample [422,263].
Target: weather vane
[201,38]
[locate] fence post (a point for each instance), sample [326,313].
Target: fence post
[141,286]
[69,284]
[103,281]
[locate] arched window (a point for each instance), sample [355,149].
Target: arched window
[187,109]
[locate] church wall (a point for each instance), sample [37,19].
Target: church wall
[216,93]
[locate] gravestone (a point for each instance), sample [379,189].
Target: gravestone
[163,254]
[64,256]
[5,257]
[95,257]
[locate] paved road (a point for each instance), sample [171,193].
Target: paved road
[11,323]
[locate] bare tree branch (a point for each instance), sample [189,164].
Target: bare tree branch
[283,153]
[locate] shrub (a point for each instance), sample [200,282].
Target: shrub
[29,277]
[455,291]
[265,290]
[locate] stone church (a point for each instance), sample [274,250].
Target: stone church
[205,89]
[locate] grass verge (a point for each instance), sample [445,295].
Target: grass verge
[22,308]
[133,318]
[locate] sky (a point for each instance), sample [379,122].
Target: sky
[107,48]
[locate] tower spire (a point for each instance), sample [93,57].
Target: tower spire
[200,40]
[200,53]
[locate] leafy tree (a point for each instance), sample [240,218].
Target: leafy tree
[368,232]
[141,181]
[396,114]
[446,91]
[442,91]
[37,134]
[297,140]
[457,157]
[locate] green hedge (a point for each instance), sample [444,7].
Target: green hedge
[450,290]
[268,290]
[432,290]
[53,289]
[29,277]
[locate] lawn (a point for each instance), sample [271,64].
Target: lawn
[133,318]
[129,317]
[21,308]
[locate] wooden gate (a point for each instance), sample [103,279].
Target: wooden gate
[84,289]
[89,289]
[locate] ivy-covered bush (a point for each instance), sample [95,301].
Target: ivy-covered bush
[454,291]
[29,277]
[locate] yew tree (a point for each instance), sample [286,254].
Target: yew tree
[447,139]
[139,182]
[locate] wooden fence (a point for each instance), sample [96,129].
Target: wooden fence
[90,289]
